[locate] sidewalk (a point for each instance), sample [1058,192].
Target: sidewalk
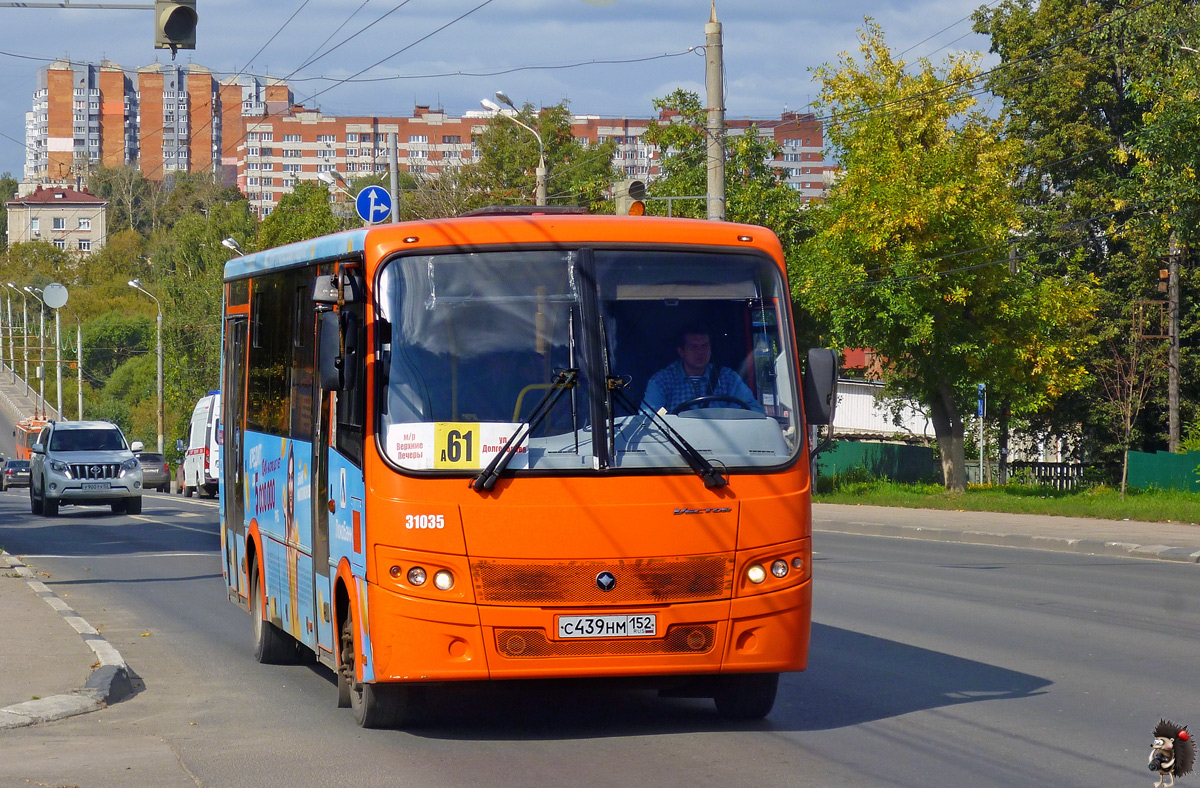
[1128,538]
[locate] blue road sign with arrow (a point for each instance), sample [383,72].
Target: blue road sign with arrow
[373,204]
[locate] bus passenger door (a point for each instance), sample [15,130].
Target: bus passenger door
[233,481]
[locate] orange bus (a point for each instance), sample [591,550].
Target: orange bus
[449,455]
[26,434]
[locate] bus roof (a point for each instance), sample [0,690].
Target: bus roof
[499,229]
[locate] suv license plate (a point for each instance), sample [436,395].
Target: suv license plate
[97,485]
[631,626]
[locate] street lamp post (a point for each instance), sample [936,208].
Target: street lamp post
[24,332]
[57,350]
[78,362]
[540,172]
[41,348]
[12,341]
[137,285]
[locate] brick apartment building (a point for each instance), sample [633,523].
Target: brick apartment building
[171,118]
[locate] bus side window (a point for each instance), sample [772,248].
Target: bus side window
[351,403]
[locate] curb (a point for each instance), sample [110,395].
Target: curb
[1054,543]
[107,684]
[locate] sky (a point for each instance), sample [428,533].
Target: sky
[452,53]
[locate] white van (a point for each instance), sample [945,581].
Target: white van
[202,462]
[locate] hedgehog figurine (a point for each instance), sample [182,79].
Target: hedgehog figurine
[1173,753]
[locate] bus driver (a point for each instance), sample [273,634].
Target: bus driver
[694,375]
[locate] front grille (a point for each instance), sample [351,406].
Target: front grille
[532,643]
[95,470]
[642,581]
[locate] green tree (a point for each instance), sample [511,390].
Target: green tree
[1098,95]
[909,252]
[303,214]
[755,192]
[131,196]
[576,173]
[8,191]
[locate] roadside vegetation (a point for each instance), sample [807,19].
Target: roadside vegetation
[1100,500]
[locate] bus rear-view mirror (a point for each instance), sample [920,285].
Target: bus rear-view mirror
[820,385]
[339,351]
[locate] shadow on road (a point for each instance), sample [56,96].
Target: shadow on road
[852,678]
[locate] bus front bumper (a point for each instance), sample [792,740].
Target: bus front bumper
[441,641]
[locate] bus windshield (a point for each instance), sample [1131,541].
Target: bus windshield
[693,343]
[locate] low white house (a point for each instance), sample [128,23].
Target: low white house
[862,414]
[75,221]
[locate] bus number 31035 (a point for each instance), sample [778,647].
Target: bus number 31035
[424,521]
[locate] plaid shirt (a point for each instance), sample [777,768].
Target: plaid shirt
[670,387]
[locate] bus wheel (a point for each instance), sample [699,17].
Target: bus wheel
[746,696]
[271,646]
[374,705]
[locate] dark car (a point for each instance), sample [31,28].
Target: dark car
[156,471]
[15,473]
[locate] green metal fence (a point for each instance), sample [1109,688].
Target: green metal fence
[1164,470]
[896,461]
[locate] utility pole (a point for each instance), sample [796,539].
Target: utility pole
[714,66]
[1173,254]
[394,164]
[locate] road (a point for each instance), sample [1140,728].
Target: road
[932,664]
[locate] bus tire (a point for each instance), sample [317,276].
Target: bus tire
[272,646]
[374,705]
[746,696]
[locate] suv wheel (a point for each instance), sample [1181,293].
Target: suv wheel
[35,503]
[50,507]
[134,505]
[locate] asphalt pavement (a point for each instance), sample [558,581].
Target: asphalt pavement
[57,665]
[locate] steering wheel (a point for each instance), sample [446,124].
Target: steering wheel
[699,402]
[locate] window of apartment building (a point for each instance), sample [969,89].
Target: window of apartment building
[352,137]
[267,166]
[289,183]
[60,243]
[268,151]
[252,181]
[418,168]
[252,136]
[451,139]
[268,181]
[267,136]
[291,137]
[364,137]
[380,168]
[33,224]
[59,223]
[85,224]
[291,168]
[292,153]
[418,154]
[252,165]
[451,154]
[325,168]
[351,151]
[418,138]
[326,138]
[85,245]
[253,151]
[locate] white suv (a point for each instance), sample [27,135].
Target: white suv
[84,462]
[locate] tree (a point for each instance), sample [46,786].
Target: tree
[576,173]
[130,196]
[755,192]
[909,252]
[8,191]
[1099,95]
[303,214]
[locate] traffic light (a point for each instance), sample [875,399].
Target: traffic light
[1164,277]
[630,198]
[175,25]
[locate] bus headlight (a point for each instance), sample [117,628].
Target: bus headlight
[756,574]
[443,580]
[416,576]
[779,568]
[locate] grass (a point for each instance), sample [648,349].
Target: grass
[1170,506]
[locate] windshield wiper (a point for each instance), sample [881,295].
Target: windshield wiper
[703,468]
[563,380]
